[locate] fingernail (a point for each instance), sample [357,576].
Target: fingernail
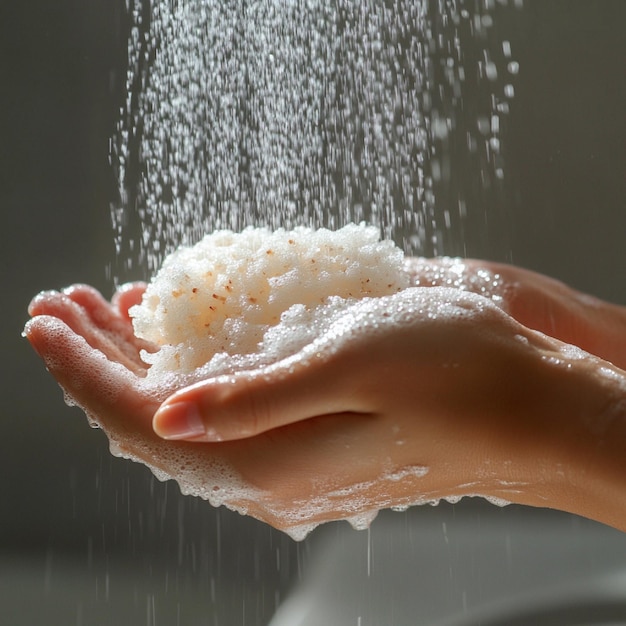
[179,420]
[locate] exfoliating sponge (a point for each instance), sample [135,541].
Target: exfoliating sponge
[213,303]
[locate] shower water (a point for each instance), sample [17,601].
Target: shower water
[282,113]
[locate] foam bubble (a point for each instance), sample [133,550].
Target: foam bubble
[501,502]
[415,471]
[363,520]
[455,272]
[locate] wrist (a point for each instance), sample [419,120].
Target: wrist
[581,462]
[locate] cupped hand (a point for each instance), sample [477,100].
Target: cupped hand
[426,394]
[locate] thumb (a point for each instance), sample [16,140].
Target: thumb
[250,403]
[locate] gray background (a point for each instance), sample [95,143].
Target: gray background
[72,515]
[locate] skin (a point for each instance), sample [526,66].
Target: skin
[494,402]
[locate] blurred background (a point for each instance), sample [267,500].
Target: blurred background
[86,538]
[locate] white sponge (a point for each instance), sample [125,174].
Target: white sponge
[213,303]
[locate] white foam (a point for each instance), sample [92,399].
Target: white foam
[363,520]
[230,295]
[455,272]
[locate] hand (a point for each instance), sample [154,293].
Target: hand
[437,407]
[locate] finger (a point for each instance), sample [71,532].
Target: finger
[550,306]
[534,300]
[93,303]
[113,323]
[102,313]
[96,384]
[128,295]
[76,317]
[61,306]
[246,405]
[124,298]
[543,303]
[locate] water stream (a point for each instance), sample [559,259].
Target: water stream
[281,113]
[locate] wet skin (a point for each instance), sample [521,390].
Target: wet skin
[492,402]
